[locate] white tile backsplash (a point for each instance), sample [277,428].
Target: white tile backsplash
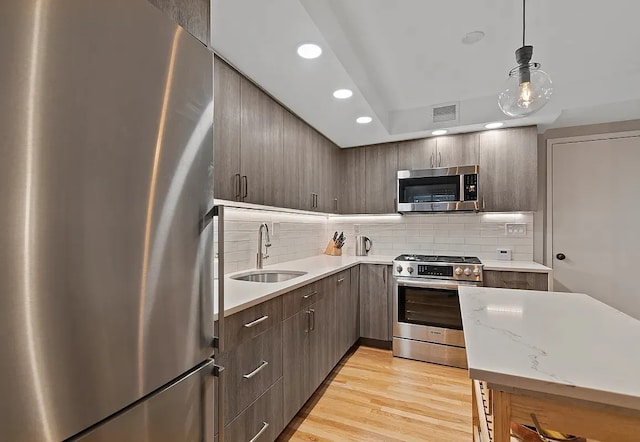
[304,235]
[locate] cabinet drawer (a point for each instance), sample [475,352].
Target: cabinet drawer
[249,323]
[250,369]
[264,415]
[301,298]
[515,280]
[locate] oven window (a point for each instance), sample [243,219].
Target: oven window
[430,190]
[433,307]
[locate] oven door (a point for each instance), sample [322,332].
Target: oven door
[427,310]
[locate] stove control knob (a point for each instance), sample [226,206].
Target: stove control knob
[399,269]
[476,271]
[467,271]
[410,270]
[458,271]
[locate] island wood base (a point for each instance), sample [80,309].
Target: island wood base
[495,407]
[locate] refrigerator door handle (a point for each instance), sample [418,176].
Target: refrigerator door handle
[219,340]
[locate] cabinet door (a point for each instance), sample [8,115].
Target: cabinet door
[261,146]
[321,351]
[226,132]
[353,315]
[338,286]
[381,178]
[509,169]
[308,164]
[516,280]
[352,181]
[374,302]
[295,135]
[295,363]
[457,150]
[326,185]
[343,298]
[417,154]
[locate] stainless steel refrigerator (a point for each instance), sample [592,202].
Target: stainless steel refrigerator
[106,239]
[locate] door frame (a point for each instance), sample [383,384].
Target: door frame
[548,255]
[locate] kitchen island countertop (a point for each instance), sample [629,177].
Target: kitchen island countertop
[563,344]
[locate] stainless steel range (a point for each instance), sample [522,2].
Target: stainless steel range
[427,325]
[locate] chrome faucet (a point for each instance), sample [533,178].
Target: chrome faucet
[263,230]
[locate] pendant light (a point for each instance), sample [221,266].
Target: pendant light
[528,88]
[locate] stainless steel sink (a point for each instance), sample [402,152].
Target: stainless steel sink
[268,275]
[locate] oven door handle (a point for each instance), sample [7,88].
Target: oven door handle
[427,284]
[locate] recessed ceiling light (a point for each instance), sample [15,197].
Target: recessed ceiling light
[364,120]
[439,132]
[473,37]
[309,50]
[342,93]
[495,125]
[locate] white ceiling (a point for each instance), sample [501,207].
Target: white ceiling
[403,57]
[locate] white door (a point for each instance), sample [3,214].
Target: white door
[596,220]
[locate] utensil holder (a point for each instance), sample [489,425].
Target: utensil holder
[332,249]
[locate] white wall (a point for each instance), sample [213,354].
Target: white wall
[300,235]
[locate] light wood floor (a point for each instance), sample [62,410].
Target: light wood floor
[372,396]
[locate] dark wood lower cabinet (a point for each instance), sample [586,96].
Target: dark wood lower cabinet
[516,280]
[295,363]
[263,419]
[375,292]
[250,369]
[321,323]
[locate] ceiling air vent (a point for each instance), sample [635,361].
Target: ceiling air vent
[445,113]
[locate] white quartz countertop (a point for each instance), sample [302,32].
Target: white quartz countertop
[566,344]
[515,266]
[240,295]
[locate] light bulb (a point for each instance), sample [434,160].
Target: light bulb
[520,97]
[525,93]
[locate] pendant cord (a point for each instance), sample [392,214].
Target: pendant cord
[523,19]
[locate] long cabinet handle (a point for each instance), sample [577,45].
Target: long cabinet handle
[265,425]
[335,200]
[313,319]
[439,159]
[314,293]
[431,160]
[256,371]
[384,276]
[256,322]
[237,186]
[307,321]
[246,186]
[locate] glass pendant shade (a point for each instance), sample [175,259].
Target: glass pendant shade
[526,90]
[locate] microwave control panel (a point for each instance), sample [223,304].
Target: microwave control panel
[470,187]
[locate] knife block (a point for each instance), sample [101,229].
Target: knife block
[332,249]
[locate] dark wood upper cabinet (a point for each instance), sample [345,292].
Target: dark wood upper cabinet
[508,178]
[352,170]
[417,154]
[457,150]
[226,132]
[381,178]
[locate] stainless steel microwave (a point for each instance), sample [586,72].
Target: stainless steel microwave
[444,189]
